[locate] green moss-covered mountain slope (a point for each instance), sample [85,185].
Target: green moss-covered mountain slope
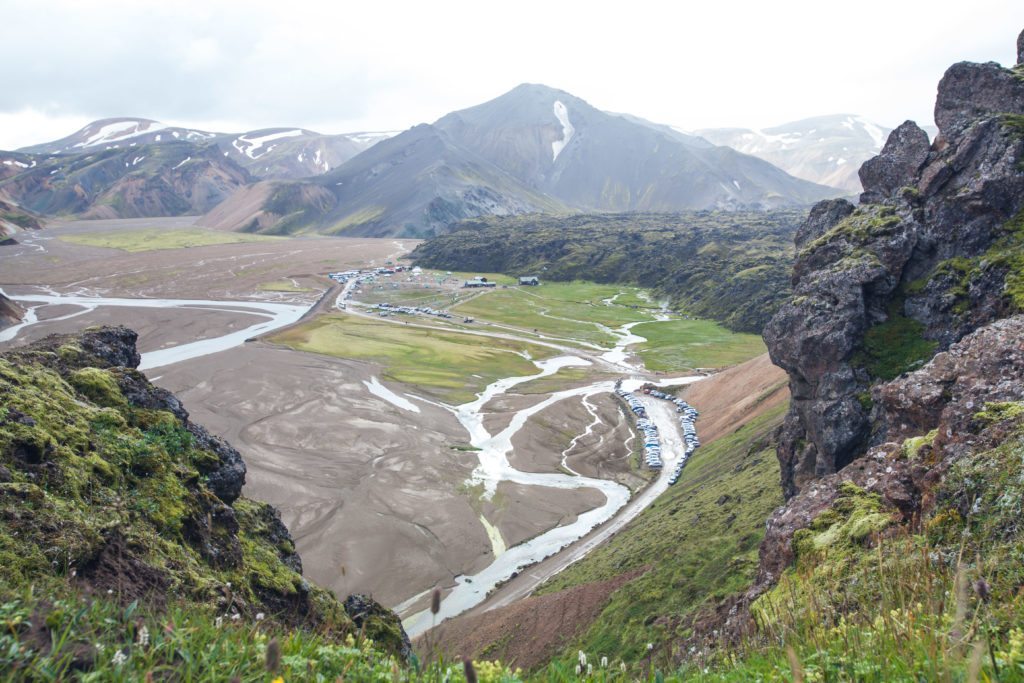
[728,266]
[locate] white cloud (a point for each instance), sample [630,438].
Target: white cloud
[389,65]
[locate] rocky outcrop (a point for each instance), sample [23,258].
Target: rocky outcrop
[932,421]
[933,252]
[104,473]
[823,217]
[902,157]
[375,620]
[1020,48]
[114,348]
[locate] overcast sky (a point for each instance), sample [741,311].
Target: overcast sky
[344,66]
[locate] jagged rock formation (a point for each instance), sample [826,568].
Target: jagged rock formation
[930,419]
[932,253]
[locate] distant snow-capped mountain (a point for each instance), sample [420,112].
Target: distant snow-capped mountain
[825,149]
[271,153]
[532,149]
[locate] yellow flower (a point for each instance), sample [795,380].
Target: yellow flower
[279,679]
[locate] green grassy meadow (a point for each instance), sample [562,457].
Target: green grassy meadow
[679,345]
[451,366]
[568,310]
[156,239]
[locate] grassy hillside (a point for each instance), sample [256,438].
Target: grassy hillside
[732,267]
[870,600]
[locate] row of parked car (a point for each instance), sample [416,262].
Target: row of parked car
[687,421]
[387,309]
[652,441]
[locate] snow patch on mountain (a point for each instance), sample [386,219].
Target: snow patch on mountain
[251,146]
[119,131]
[568,130]
[371,138]
[876,133]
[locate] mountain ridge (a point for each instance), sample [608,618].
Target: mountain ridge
[281,152]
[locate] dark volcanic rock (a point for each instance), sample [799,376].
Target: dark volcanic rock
[141,394]
[370,617]
[986,366]
[944,396]
[227,477]
[923,209]
[822,218]
[1020,48]
[968,92]
[113,346]
[897,166]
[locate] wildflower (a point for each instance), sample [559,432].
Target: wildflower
[590,669]
[143,636]
[604,662]
[228,584]
[110,591]
[260,616]
[99,647]
[583,658]
[119,658]
[279,679]
[218,622]
[650,646]
[579,669]
[622,667]
[236,616]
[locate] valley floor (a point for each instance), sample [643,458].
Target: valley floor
[442,449]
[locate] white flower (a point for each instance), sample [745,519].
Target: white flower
[604,662]
[143,636]
[236,616]
[110,591]
[579,669]
[119,658]
[590,669]
[99,647]
[260,616]
[583,658]
[650,646]
[219,621]
[622,666]
[228,584]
